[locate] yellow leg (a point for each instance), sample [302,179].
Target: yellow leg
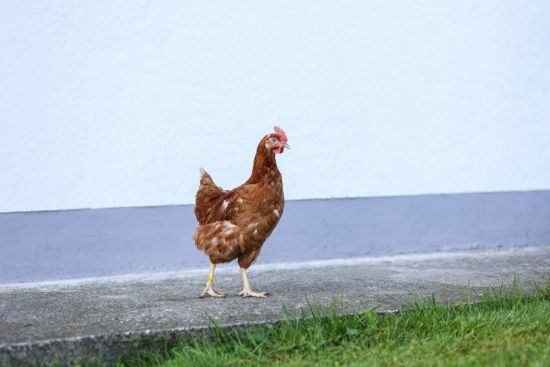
[208,287]
[246,292]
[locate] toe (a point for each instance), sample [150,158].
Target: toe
[216,294]
[253,294]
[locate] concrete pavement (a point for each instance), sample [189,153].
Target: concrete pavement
[73,319]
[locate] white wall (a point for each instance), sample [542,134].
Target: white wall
[111,103]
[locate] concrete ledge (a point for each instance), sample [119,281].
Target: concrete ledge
[94,318]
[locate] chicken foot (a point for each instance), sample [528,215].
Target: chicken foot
[246,292]
[208,286]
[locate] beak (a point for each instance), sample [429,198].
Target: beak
[284,144]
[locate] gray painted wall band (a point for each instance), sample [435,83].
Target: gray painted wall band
[37,246]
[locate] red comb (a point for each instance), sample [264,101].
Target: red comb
[280,133]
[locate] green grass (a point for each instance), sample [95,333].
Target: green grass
[508,328]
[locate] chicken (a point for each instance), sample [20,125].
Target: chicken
[235,224]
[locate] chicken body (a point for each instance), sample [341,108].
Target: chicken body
[234,224]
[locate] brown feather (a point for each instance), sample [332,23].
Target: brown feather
[234,224]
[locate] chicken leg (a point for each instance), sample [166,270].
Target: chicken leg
[246,292]
[208,286]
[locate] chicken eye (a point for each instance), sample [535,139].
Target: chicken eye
[273,140]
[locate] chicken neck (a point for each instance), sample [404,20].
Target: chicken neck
[265,165]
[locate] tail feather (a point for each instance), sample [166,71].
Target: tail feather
[207,194]
[206,179]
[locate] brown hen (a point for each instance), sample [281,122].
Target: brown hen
[234,224]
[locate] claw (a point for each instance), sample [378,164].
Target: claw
[248,293]
[208,289]
[208,286]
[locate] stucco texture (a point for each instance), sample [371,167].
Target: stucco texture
[106,104]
